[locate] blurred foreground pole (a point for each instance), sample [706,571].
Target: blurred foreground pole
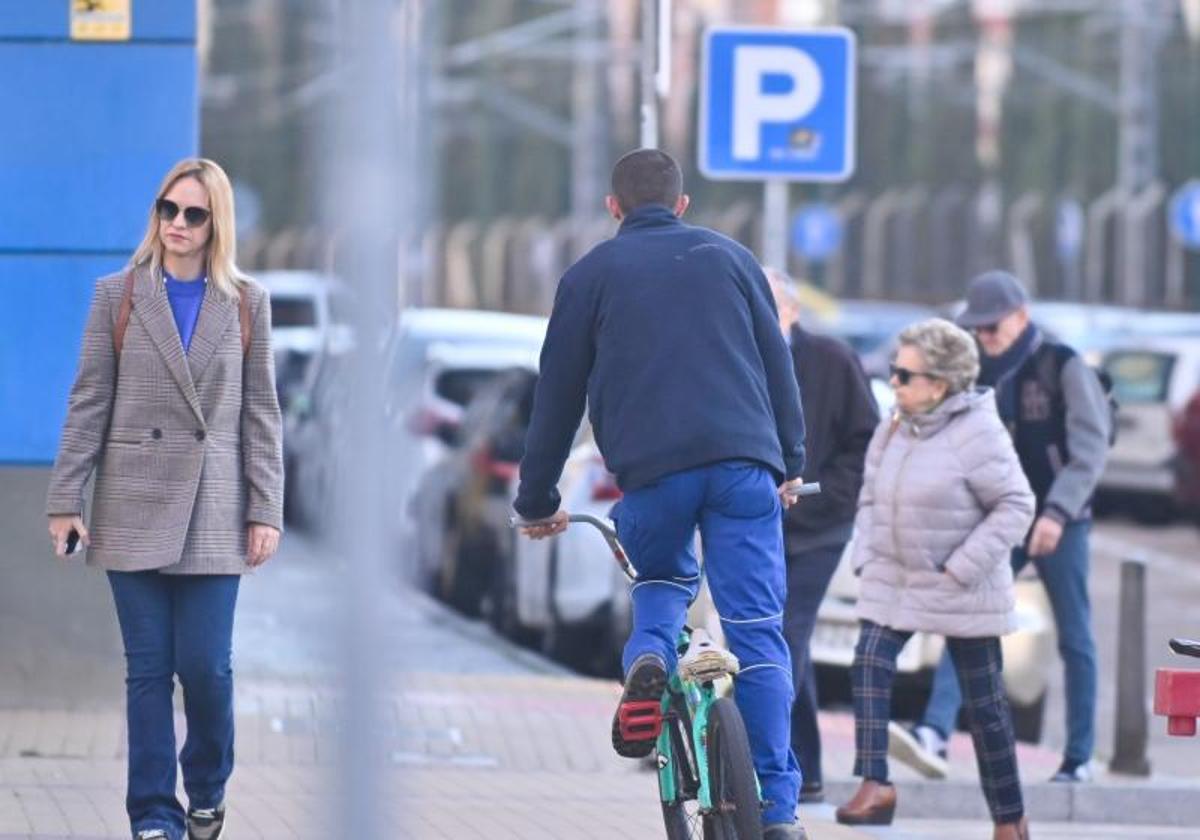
[1133,715]
[367,205]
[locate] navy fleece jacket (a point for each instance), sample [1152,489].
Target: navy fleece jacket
[668,333]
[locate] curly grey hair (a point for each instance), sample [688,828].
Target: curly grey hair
[949,352]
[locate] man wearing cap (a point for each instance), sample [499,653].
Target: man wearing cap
[1057,412]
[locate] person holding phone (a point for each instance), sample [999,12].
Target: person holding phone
[174,410]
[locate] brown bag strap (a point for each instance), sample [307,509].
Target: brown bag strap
[123,315]
[127,307]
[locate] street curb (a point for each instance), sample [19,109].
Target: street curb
[1157,802]
[478,631]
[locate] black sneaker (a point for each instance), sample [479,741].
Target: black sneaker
[784,831]
[638,720]
[812,793]
[205,823]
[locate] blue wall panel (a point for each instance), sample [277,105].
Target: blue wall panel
[80,160]
[89,129]
[43,307]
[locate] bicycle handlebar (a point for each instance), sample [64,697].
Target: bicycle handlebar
[1185,647]
[610,534]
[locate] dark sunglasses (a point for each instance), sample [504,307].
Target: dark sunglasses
[193,217]
[904,375]
[985,328]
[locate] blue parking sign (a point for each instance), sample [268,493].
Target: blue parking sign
[778,104]
[816,232]
[1184,214]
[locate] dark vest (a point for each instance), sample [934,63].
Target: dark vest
[1039,430]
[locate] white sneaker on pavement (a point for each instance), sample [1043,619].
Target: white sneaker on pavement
[923,749]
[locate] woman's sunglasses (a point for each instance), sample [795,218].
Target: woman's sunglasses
[904,375]
[193,217]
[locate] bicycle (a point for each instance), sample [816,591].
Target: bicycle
[707,785]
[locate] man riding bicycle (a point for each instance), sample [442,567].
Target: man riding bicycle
[668,334]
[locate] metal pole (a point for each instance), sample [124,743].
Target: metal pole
[775,210]
[588,145]
[1133,717]
[649,51]
[1137,162]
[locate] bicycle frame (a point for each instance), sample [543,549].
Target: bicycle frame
[699,699]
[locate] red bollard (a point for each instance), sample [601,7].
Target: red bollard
[1177,697]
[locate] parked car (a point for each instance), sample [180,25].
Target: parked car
[461,505]
[309,317]
[315,430]
[1153,380]
[1026,652]
[566,592]
[436,361]
[1187,462]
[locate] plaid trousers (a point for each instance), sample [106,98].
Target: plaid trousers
[979,665]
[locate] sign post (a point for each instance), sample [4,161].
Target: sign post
[778,105]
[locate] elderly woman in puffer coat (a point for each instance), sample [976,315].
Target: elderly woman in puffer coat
[943,503]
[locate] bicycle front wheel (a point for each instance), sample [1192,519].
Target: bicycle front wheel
[736,812]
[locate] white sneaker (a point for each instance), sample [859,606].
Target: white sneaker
[1072,772]
[705,661]
[922,749]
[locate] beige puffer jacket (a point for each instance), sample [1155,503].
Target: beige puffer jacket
[943,503]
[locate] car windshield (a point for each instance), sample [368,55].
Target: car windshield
[462,385]
[1140,376]
[293,311]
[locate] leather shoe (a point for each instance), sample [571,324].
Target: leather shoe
[1012,831]
[873,804]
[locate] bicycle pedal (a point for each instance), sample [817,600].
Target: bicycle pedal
[640,720]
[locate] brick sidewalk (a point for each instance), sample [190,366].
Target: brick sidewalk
[462,756]
[495,756]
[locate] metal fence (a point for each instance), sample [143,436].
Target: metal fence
[903,244]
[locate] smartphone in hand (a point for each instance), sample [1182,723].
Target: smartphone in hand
[72,542]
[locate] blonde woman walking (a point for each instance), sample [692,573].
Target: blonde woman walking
[944,500]
[174,409]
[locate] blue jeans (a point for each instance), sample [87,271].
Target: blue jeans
[737,509]
[1064,574]
[176,624]
[808,576]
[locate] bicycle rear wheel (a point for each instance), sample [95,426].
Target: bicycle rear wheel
[681,815]
[737,812]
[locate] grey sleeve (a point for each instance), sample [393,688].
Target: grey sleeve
[1087,439]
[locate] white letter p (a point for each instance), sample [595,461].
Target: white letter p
[752,108]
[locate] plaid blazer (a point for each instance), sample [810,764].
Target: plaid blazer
[186,447]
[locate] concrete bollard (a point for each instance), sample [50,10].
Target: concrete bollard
[1132,727]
